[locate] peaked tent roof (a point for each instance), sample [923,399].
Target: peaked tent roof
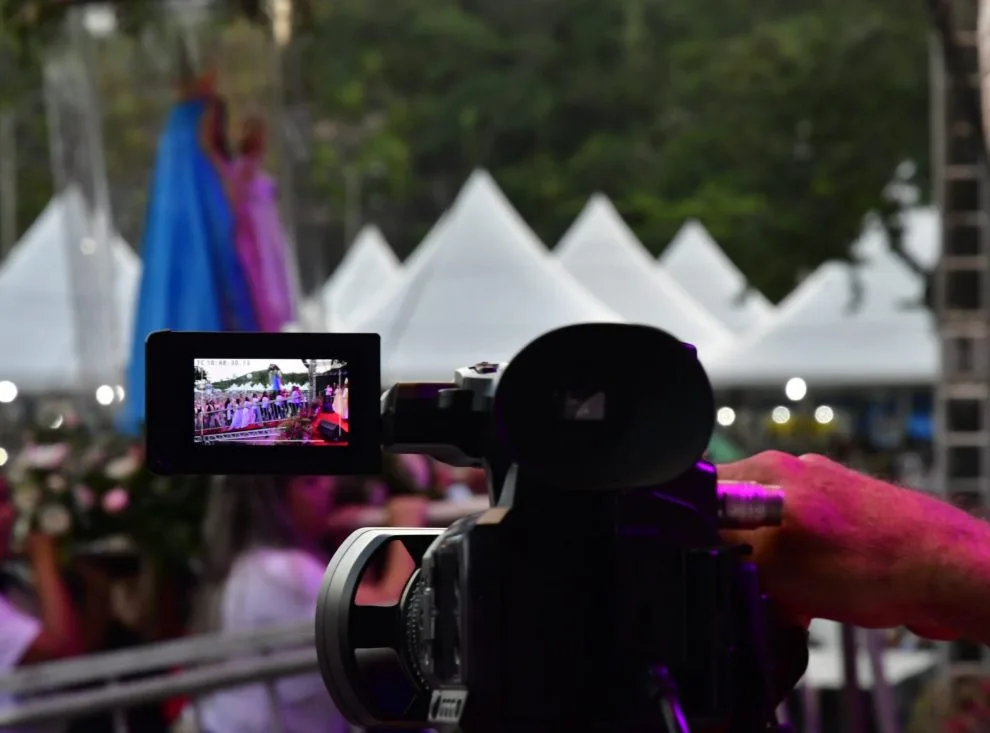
[699,265]
[38,302]
[820,333]
[486,287]
[431,242]
[604,255]
[368,271]
[406,271]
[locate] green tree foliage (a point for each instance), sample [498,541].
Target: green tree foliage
[779,124]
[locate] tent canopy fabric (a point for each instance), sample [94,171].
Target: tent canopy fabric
[39,300]
[604,255]
[844,326]
[485,288]
[369,270]
[702,268]
[923,235]
[431,242]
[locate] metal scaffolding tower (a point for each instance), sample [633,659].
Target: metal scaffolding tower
[962,283]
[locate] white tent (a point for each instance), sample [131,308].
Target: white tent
[431,242]
[604,255]
[38,300]
[923,235]
[823,335]
[695,260]
[368,272]
[486,287]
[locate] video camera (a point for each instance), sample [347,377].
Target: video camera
[595,595]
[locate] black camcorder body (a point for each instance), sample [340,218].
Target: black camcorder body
[595,594]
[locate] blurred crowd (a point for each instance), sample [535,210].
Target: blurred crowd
[268,541]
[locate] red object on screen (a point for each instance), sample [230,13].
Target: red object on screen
[326,417]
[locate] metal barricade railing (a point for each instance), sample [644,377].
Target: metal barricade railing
[205,664]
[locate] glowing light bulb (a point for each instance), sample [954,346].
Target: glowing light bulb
[780,415]
[8,391]
[104,394]
[796,389]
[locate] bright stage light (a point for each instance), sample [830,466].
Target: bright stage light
[796,389]
[824,414]
[8,391]
[104,394]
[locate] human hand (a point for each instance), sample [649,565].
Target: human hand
[848,548]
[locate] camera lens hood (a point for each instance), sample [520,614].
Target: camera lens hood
[605,407]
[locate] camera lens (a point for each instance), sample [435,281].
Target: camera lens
[412,651]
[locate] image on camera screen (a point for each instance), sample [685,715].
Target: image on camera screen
[270,402]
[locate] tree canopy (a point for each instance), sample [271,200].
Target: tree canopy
[261,377]
[778,123]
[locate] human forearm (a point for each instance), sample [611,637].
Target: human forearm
[958,567]
[58,617]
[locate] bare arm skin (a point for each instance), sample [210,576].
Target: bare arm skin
[957,554]
[60,633]
[862,551]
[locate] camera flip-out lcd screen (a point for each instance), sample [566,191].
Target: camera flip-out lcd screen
[271,402]
[263,403]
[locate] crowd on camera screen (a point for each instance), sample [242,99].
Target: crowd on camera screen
[239,411]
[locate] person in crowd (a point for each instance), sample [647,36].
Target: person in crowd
[340,400]
[861,551]
[247,413]
[56,633]
[236,420]
[264,566]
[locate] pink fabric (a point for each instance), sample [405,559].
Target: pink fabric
[261,245]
